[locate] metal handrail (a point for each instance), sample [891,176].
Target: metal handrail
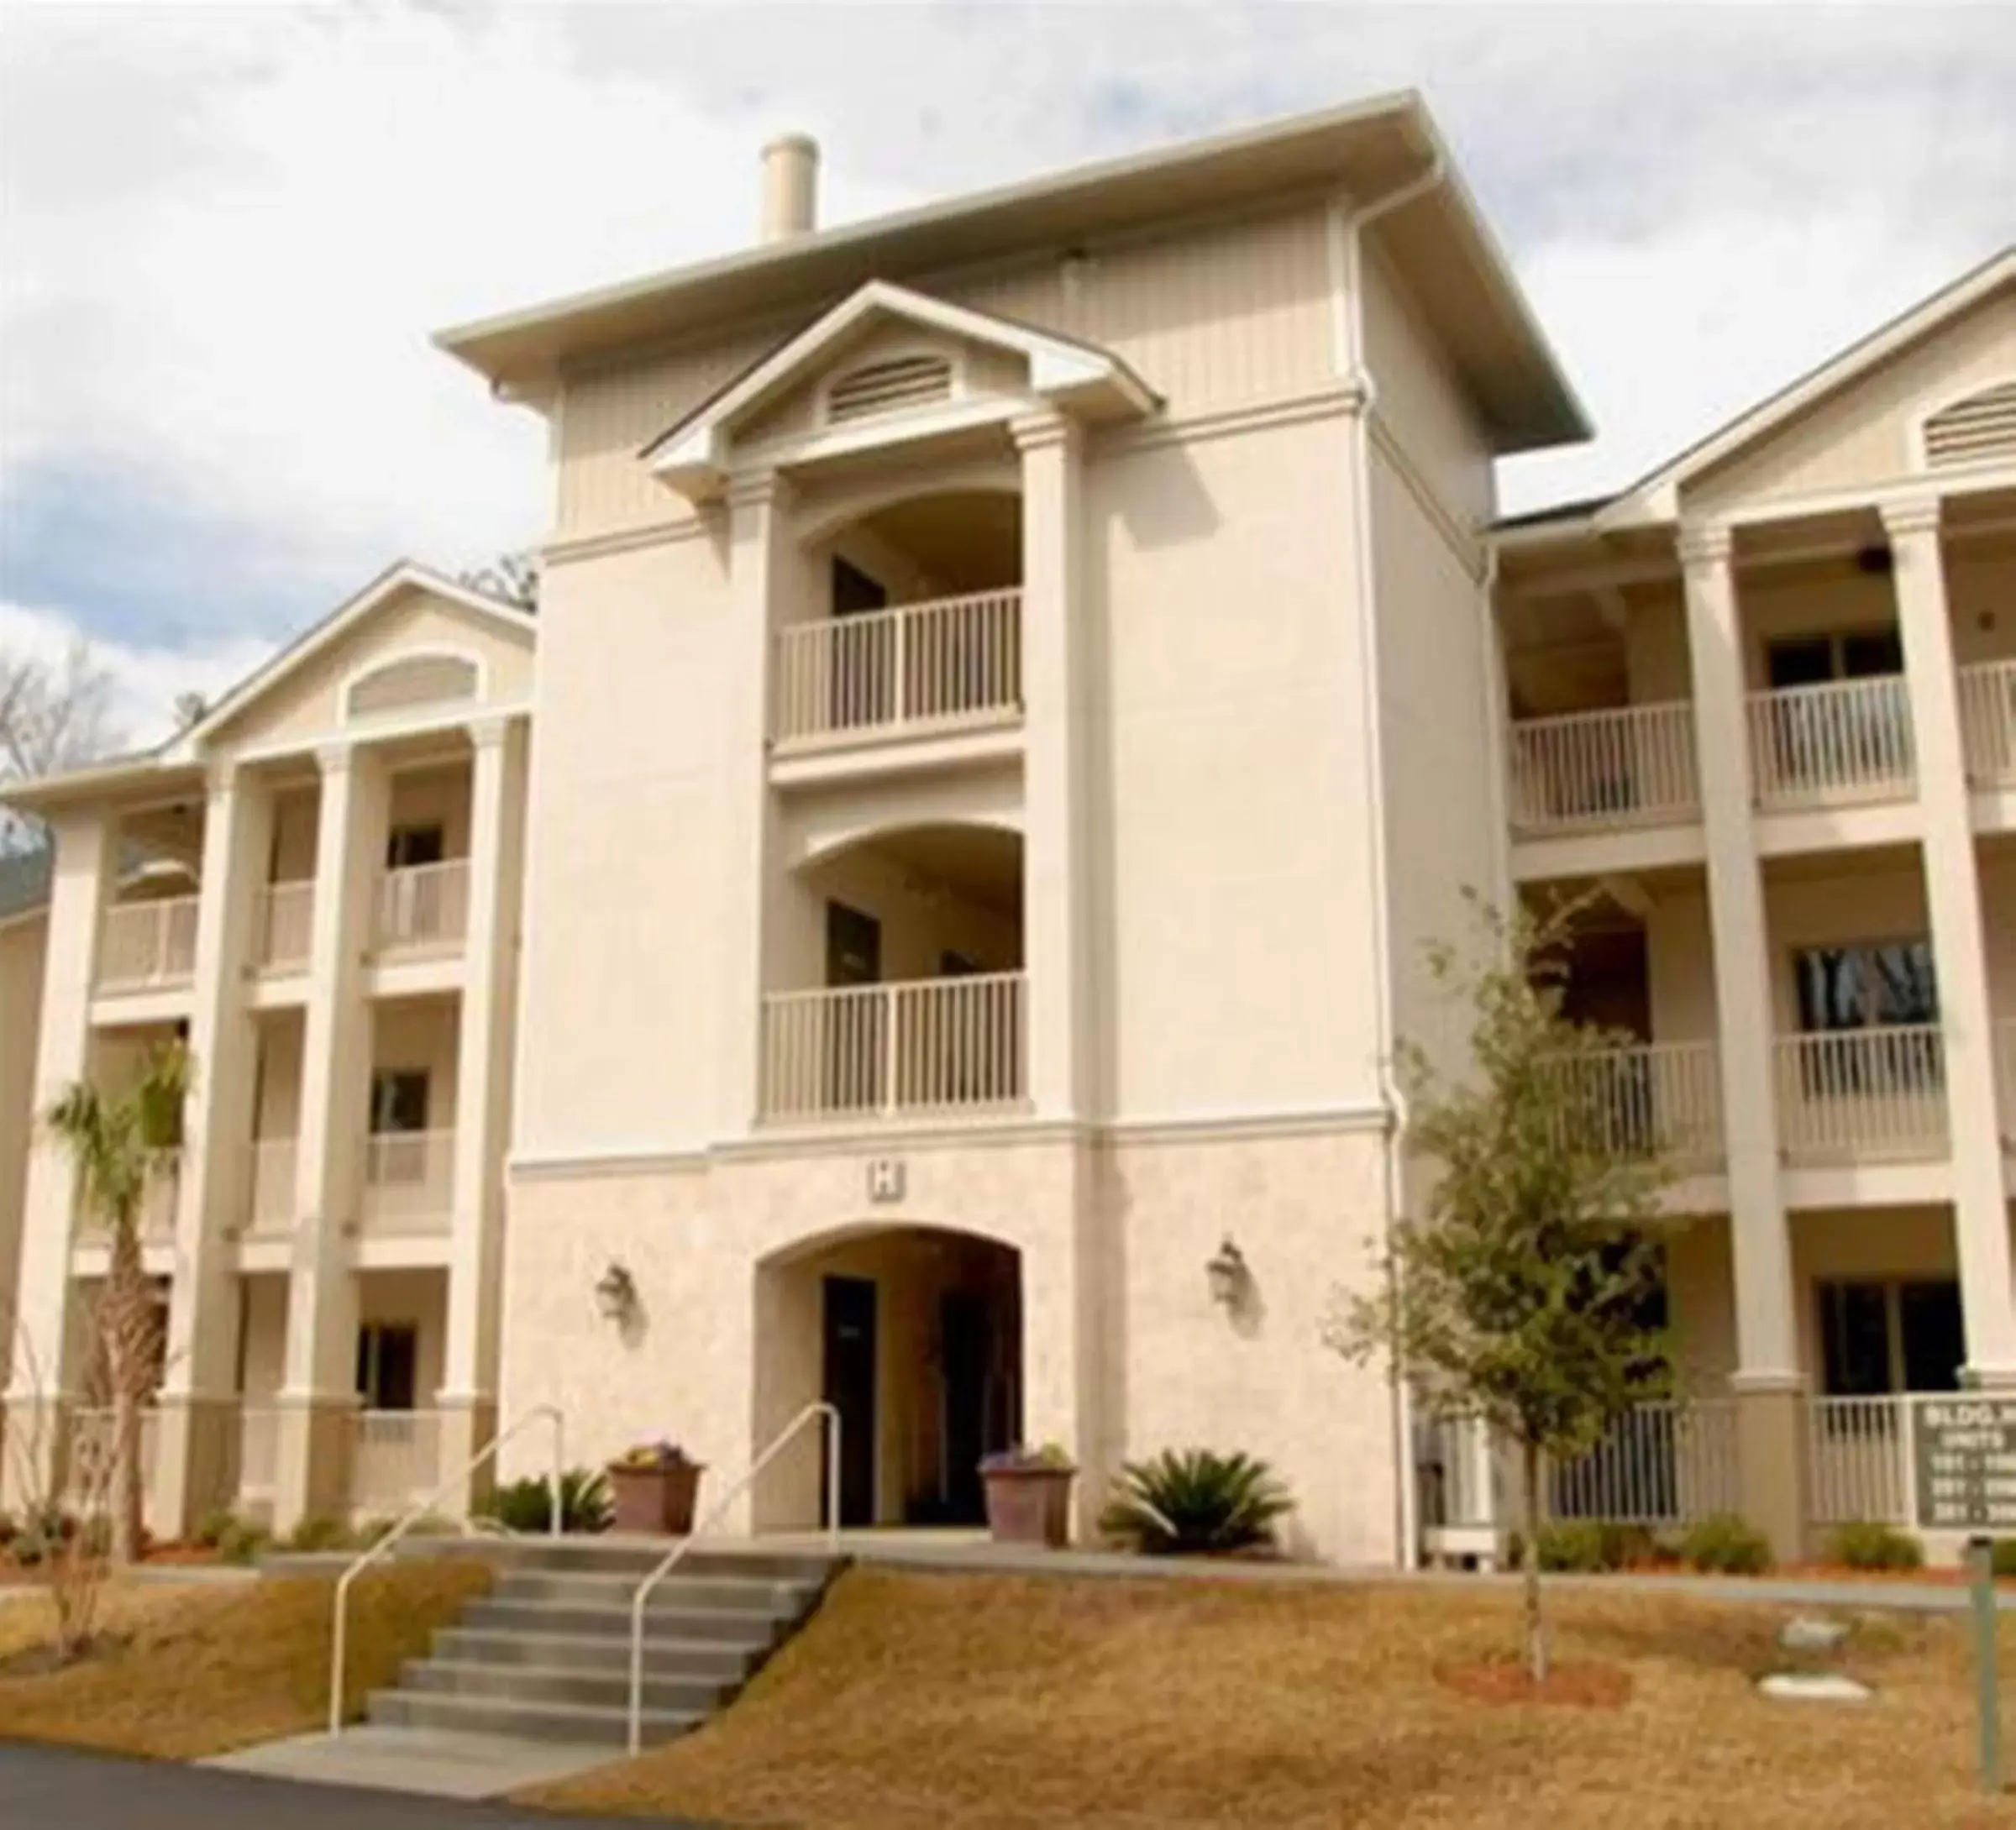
[818,1407]
[422,1509]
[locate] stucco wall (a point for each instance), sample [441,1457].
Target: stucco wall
[21,961]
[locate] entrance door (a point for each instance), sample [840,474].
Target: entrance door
[963,1328]
[848,1385]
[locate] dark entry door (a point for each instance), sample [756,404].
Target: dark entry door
[963,1326]
[849,1386]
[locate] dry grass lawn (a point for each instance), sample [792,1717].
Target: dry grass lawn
[981,1700]
[201,1670]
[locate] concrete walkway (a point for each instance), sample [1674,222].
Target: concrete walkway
[42,1787]
[432,1763]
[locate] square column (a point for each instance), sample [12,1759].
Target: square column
[469,1395]
[38,1320]
[1056,873]
[319,1397]
[197,1405]
[1768,1383]
[1953,902]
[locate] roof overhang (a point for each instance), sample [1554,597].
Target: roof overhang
[1362,152]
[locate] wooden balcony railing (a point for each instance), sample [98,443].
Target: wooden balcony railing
[1840,744]
[1634,766]
[423,906]
[1987,723]
[937,1046]
[950,661]
[409,1182]
[1662,1099]
[284,932]
[148,946]
[1861,1095]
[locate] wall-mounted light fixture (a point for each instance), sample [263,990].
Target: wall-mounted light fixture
[1226,1273]
[615,1293]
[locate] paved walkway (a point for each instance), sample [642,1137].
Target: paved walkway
[438,1765]
[46,1787]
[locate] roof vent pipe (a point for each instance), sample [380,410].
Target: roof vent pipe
[790,186]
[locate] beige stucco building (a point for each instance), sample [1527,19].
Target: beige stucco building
[922,916]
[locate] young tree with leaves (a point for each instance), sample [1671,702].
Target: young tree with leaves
[121,1146]
[1520,1296]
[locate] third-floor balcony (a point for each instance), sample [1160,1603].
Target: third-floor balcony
[422,908]
[148,946]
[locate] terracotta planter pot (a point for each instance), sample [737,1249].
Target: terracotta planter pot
[1030,1506]
[659,1501]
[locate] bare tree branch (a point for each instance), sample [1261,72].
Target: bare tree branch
[52,718]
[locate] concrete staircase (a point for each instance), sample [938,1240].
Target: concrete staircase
[546,1656]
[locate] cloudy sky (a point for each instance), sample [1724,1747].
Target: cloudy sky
[225,230]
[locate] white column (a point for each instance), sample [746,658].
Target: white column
[193,1461]
[469,1393]
[1953,902]
[1768,1384]
[1055,872]
[757,568]
[319,1393]
[86,846]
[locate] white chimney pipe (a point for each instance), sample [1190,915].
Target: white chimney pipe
[790,186]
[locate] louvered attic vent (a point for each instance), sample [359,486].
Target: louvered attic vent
[882,387]
[1981,426]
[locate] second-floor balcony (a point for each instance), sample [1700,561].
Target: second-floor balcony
[944,665]
[148,946]
[1839,744]
[283,926]
[1634,765]
[422,908]
[408,1181]
[1987,723]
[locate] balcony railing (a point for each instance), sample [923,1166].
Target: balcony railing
[1840,744]
[395,1459]
[1666,1463]
[937,1046]
[1861,1095]
[423,906]
[159,1205]
[1662,1099]
[1987,723]
[1634,766]
[271,1196]
[409,1180]
[950,661]
[285,924]
[148,946]
[1858,1452]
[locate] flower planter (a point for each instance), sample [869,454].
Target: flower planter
[659,1501]
[1030,1505]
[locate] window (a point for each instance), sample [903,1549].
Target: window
[398,1100]
[1866,985]
[406,847]
[388,1357]
[1881,1337]
[1858,654]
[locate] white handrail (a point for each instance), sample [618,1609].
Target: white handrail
[420,1510]
[818,1407]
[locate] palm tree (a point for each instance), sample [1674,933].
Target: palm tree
[120,1146]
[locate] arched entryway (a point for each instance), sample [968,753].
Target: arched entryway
[914,1333]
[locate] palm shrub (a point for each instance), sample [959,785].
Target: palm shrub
[526,1505]
[1870,1546]
[1726,1543]
[1195,1502]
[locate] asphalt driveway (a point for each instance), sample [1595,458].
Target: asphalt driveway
[57,1789]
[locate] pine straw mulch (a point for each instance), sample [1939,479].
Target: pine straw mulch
[999,1702]
[182,1670]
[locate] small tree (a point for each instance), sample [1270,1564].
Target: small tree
[52,718]
[1521,1296]
[121,1147]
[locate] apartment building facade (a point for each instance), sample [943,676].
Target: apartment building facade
[1016,686]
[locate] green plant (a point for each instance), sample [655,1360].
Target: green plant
[215,1526]
[320,1534]
[1727,1544]
[1579,1545]
[647,1456]
[526,1505]
[9,1529]
[1193,1502]
[1051,1456]
[2004,1556]
[242,1541]
[1864,1545]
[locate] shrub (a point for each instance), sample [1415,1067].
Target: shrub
[2004,1557]
[1867,1546]
[242,1541]
[321,1534]
[1727,1545]
[9,1530]
[526,1505]
[1195,1502]
[214,1527]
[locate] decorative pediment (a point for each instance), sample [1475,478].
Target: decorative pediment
[885,364]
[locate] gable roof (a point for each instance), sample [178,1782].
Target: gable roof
[1367,150]
[1073,374]
[1654,496]
[403,575]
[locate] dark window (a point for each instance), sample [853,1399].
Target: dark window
[1814,660]
[1864,985]
[407,846]
[1805,661]
[1934,1338]
[398,1100]
[953,964]
[1871,653]
[854,592]
[1855,1340]
[388,1358]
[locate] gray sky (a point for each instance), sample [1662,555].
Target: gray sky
[226,229]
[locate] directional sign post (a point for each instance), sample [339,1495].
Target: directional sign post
[1963,1451]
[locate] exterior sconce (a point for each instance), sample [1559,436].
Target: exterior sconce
[615,1293]
[1226,1273]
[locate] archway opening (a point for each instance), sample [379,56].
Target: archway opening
[914,1334]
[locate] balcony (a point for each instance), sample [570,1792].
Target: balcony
[1594,770]
[1661,1098]
[951,664]
[283,926]
[1987,723]
[422,909]
[1873,1095]
[272,1197]
[408,1182]
[930,1048]
[1845,743]
[148,946]
[394,1459]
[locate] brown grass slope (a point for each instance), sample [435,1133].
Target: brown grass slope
[979,1701]
[201,1669]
